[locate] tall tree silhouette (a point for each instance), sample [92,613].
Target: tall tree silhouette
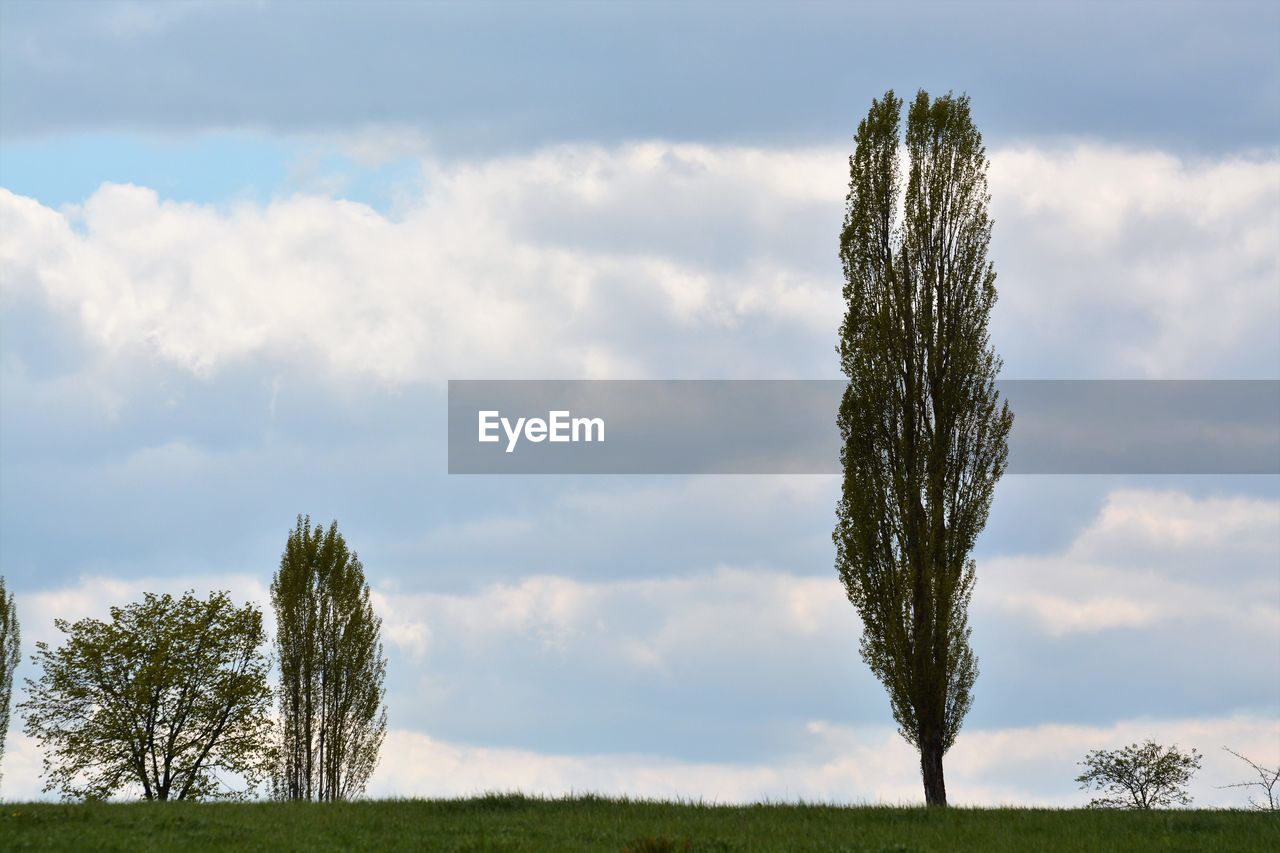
[924,433]
[332,668]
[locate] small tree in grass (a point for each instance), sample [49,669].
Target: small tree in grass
[1139,776]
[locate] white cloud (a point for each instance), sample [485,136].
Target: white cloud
[1152,556]
[461,285]
[656,259]
[650,623]
[1173,521]
[1022,766]
[1117,263]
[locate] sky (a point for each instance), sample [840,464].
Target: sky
[243,247]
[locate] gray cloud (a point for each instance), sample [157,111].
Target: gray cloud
[1182,75]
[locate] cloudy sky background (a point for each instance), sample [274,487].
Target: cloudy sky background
[243,246]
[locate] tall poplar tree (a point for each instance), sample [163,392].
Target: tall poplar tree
[10,650]
[924,432]
[332,668]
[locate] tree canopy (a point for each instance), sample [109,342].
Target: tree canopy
[1139,776]
[168,697]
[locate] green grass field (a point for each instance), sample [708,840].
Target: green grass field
[519,823]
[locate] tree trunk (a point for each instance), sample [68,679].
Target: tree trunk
[935,786]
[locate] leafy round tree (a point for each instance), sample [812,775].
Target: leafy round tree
[10,650]
[168,698]
[1139,776]
[332,669]
[924,432]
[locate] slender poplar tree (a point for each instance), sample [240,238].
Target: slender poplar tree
[10,651]
[332,668]
[924,432]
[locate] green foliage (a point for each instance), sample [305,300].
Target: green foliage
[169,697]
[332,669]
[10,651]
[577,825]
[924,433]
[1139,776]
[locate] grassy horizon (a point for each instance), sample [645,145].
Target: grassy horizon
[590,823]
